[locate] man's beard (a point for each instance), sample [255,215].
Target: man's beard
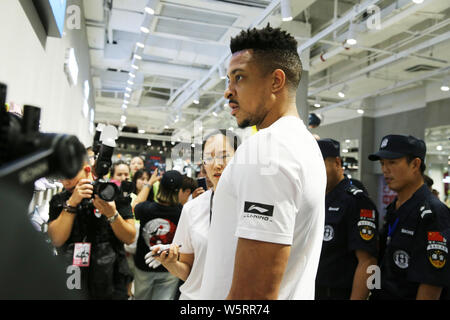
[244,124]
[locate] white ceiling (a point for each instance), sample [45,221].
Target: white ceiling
[189,39]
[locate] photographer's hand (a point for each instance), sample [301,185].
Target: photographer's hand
[83,190]
[108,209]
[124,230]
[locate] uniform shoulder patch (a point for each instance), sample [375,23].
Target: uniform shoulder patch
[354,191]
[366,224]
[437,249]
[425,211]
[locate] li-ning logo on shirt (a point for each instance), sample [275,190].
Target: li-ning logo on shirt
[261,210]
[258,209]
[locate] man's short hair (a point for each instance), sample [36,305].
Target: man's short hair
[274,48]
[410,158]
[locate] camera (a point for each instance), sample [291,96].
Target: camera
[103,147]
[25,156]
[20,138]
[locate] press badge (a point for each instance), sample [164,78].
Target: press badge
[82,254]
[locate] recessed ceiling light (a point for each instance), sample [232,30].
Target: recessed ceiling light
[149,10]
[140,44]
[145,30]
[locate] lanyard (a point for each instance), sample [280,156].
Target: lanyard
[210,206]
[391,229]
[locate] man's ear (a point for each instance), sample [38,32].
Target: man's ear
[278,80]
[338,161]
[416,164]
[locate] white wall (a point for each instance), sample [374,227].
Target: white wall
[35,75]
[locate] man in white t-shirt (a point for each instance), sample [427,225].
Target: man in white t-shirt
[267,222]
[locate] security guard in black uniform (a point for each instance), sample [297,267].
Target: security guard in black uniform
[350,235]
[414,264]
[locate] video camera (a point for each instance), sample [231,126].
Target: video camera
[27,154]
[103,147]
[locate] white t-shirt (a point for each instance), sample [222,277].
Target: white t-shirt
[192,234]
[273,190]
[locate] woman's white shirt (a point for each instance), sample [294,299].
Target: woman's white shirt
[192,234]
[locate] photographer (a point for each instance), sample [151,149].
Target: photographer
[79,233]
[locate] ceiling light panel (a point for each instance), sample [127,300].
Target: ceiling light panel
[193,30]
[198,15]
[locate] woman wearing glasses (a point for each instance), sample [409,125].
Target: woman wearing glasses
[187,254]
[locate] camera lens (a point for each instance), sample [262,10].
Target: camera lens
[107,191]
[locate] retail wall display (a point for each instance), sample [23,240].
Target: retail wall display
[437,160]
[350,157]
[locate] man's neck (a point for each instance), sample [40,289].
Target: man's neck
[277,111]
[334,184]
[407,192]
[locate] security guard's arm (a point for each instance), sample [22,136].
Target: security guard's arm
[258,270]
[359,288]
[428,292]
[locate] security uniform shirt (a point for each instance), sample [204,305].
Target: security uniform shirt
[416,247]
[350,224]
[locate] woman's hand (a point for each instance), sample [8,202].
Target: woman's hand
[197,192]
[155,177]
[162,254]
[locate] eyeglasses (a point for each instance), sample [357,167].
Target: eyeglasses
[221,157]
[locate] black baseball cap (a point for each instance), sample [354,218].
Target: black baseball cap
[172,180]
[397,146]
[329,147]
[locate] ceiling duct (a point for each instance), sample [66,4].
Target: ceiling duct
[249,3]
[421,67]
